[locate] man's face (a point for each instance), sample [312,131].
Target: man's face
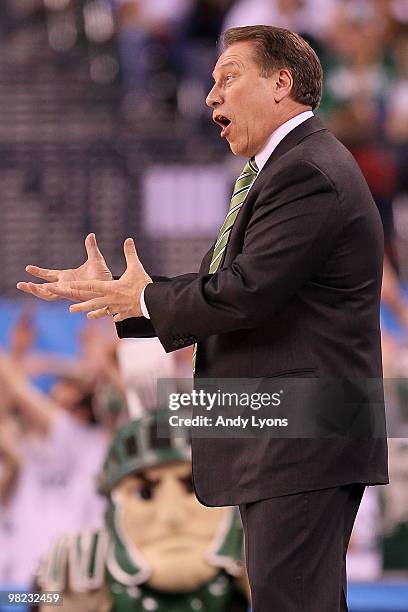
[242,100]
[159,514]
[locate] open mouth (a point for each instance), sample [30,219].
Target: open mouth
[223,122]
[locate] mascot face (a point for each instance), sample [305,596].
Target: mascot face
[160,518]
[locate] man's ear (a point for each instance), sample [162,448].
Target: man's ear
[283,84]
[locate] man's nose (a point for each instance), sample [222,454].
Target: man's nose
[214,97]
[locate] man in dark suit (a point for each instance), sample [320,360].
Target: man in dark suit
[290,288]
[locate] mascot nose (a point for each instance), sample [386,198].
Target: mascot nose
[171,510]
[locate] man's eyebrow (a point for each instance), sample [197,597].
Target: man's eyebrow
[227,64]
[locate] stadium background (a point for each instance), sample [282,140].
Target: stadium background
[103,128]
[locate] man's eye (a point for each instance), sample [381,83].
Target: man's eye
[229,77]
[187,483]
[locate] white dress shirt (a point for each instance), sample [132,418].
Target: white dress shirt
[261,158]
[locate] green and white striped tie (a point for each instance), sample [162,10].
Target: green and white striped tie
[241,188]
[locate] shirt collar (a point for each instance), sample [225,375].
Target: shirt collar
[279,134]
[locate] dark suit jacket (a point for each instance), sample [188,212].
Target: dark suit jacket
[297,294]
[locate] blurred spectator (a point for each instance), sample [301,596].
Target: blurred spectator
[97,361]
[398,10]
[144,362]
[96,366]
[358,125]
[146,34]
[23,8]
[197,53]
[61,452]
[393,296]
[357,38]
[380,170]
[395,501]
[364,560]
[357,94]
[307,17]
[22,335]
[10,468]
[10,460]
[396,120]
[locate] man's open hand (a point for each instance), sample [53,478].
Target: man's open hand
[101,298]
[94,268]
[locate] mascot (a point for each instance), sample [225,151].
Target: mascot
[161,550]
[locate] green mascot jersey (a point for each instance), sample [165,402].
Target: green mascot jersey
[94,560]
[218,595]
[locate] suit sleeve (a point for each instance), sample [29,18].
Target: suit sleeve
[294,223]
[140,327]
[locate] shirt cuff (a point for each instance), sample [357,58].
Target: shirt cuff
[143,307]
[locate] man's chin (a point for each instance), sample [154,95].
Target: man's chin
[234,148]
[237,150]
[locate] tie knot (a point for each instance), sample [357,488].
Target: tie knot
[249,171]
[252,165]
[248,174]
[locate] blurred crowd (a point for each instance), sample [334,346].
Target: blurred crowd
[53,442]
[166,49]
[363,45]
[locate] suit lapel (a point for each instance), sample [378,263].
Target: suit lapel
[295,137]
[302,131]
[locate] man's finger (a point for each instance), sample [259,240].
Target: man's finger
[23,287]
[131,257]
[37,291]
[45,273]
[98,314]
[94,288]
[64,290]
[91,246]
[43,293]
[89,306]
